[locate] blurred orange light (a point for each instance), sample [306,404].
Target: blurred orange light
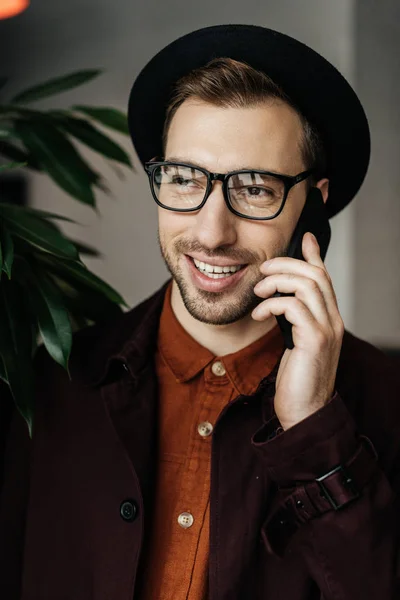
[10,8]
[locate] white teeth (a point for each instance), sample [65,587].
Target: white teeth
[216,272]
[217,275]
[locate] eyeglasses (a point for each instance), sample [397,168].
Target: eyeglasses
[254,194]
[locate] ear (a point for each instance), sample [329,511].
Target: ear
[323,185]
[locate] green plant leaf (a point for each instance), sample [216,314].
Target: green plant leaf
[3,375]
[11,166]
[54,325]
[17,155]
[38,233]
[55,86]
[86,305]
[15,348]
[80,247]
[7,246]
[87,250]
[76,274]
[14,110]
[92,137]
[110,117]
[15,210]
[6,133]
[59,158]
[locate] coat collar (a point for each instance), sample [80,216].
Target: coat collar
[101,352]
[129,340]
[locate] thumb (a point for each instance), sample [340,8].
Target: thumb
[311,250]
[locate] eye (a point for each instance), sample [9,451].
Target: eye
[257,191]
[180,180]
[183,182]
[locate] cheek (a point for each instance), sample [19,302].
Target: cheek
[174,224]
[264,240]
[168,222]
[173,230]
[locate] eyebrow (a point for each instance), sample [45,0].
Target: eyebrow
[180,159]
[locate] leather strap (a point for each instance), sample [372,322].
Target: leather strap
[330,492]
[343,484]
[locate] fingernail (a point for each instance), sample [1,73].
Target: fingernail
[314,238]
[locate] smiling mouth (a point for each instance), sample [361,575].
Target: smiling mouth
[215,271]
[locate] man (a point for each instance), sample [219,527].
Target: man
[193,455]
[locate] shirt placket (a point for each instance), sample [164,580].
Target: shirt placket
[193,497]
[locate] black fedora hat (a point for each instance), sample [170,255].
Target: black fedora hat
[318,89]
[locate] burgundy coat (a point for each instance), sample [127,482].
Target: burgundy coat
[76,506]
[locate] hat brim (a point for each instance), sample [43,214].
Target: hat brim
[318,89]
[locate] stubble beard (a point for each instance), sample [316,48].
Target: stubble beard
[214,308]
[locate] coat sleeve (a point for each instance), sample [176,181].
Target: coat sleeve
[14,494]
[338,496]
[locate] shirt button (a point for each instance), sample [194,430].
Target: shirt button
[128,510]
[185,520]
[218,368]
[205,429]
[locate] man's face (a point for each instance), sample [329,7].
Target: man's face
[266,137]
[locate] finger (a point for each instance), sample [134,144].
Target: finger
[303,269]
[306,290]
[312,253]
[311,250]
[306,331]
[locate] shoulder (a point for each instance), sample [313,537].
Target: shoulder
[365,368]
[359,355]
[369,383]
[93,345]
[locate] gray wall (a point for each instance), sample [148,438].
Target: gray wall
[377,212]
[52,38]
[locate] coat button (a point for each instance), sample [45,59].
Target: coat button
[128,510]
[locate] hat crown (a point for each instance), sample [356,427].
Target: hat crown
[313,84]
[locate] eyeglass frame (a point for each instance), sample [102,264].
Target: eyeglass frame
[289,181]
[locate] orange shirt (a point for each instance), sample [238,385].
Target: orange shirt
[194,386]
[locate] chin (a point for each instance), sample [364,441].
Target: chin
[217,309]
[210,307]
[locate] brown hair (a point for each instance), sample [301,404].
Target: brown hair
[229,83]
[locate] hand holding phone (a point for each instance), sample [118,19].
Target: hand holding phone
[314,218]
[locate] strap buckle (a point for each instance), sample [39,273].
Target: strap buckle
[347,482]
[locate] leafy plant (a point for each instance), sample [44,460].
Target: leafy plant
[46,291]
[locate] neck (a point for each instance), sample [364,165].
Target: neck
[219,339]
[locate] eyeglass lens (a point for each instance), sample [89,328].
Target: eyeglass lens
[250,193]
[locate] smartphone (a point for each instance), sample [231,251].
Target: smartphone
[314,218]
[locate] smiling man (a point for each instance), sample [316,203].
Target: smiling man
[195,454]
[265,133]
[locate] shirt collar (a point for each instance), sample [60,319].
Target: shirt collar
[186,358]
[181,353]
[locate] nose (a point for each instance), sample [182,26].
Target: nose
[215,224]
